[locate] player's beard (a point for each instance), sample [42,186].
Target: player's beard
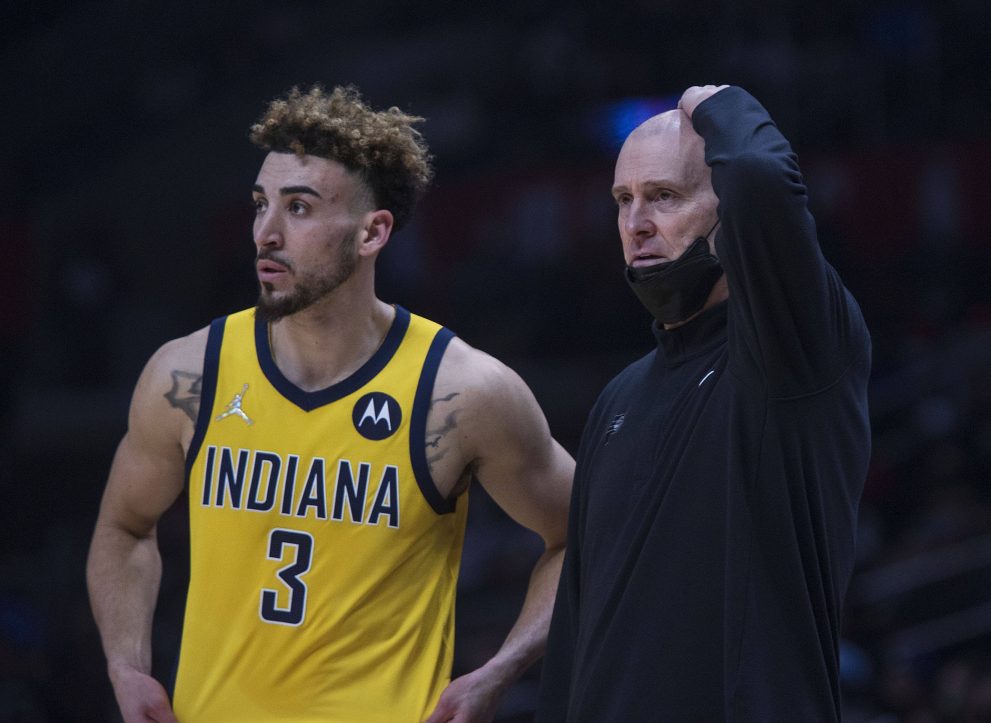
[309,288]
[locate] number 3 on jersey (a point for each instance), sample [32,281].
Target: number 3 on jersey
[295,611]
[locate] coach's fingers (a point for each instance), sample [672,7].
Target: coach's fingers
[693,96]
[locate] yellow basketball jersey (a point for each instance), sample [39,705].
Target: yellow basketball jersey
[323,559]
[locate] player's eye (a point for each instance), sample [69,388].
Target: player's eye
[297,208]
[259,205]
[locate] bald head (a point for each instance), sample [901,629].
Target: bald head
[670,141]
[671,120]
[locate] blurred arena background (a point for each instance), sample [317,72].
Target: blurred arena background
[125,174]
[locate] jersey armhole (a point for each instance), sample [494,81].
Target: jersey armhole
[208,388]
[418,425]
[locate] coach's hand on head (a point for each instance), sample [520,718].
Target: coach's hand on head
[691,98]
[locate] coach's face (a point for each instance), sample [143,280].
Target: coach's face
[663,189]
[311,217]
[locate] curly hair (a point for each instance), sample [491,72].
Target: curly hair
[382,147]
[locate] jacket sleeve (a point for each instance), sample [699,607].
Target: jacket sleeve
[793,326]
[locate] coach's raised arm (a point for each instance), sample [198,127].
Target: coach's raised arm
[712,524]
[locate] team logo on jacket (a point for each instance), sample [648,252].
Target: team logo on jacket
[614,425]
[376,415]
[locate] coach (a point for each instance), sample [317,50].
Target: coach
[713,517]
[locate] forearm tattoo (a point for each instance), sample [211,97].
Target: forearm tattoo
[435,451]
[185,392]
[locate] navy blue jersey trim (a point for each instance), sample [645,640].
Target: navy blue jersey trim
[308,401]
[174,678]
[208,389]
[418,425]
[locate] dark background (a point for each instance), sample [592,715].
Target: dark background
[125,176]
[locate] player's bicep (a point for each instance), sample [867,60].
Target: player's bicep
[521,466]
[148,470]
[143,483]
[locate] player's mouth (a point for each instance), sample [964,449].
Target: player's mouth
[269,270]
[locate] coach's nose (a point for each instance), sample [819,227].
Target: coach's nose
[638,224]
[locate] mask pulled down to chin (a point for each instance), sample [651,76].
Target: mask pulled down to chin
[673,291]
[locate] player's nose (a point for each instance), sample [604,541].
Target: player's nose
[268,231]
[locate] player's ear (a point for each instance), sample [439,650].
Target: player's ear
[377,229]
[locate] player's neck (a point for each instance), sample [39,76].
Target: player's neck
[330,340]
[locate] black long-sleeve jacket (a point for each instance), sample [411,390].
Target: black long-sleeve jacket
[713,518]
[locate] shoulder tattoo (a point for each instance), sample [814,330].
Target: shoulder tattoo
[185,392]
[435,450]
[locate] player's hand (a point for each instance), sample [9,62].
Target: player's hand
[472,698]
[141,698]
[691,98]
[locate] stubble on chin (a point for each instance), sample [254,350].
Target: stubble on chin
[305,292]
[270,307]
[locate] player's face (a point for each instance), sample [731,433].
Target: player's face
[663,190]
[307,214]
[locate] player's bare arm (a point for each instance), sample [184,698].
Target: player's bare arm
[124,568]
[444,454]
[484,422]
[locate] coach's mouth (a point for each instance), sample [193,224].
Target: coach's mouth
[646,260]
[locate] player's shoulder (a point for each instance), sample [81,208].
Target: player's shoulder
[185,353]
[172,375]
[496,413]
[474,373]
[166,397]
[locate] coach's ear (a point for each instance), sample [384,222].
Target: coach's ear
[375,232]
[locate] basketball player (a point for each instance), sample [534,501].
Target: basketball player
[712,522]
[326,439]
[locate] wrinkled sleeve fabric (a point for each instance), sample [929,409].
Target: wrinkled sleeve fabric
[793,325]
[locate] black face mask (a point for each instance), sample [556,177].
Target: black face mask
[672,291]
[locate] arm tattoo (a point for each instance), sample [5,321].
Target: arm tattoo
[434,436]
[185,392]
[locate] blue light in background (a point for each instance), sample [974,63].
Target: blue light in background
[610,124]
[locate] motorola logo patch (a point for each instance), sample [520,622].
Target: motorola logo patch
[376,416]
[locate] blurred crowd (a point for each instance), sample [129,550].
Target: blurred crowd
[123,210]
